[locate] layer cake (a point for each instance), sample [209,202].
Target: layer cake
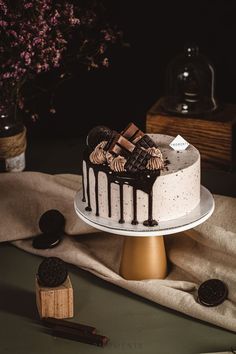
[136,178]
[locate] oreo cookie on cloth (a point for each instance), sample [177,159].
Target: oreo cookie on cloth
[52,221]
[52,225]
[52,272]
[212,292]
[45,241]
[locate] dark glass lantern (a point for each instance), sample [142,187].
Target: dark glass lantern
[190,84]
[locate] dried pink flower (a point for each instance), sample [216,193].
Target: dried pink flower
[52,110]
[105,62]
[35,38]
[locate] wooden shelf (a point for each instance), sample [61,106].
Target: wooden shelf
[213,134]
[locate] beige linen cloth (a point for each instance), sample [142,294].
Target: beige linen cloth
[208,251]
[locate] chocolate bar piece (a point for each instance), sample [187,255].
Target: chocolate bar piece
[137,161]
[137,137]
[146,142]
[132,133]
[121,146]
[113,136]
[136,156]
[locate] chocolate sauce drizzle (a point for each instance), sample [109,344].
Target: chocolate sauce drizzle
[142,180]
[83,199]
[134,221]
[88,207]
[121,221]
[109,198]
[150,221]
[96,191]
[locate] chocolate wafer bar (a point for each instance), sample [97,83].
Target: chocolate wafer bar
[132,133]
[121,146]
[113,136]
[137,137]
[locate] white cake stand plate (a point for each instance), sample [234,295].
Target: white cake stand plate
[144,254]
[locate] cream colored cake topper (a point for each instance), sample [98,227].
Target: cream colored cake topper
[179,143]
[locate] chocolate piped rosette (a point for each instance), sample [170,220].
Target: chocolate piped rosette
[132,177]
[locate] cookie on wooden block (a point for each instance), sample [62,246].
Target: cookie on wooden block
[55,302]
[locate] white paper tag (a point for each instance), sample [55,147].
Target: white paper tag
[179,143]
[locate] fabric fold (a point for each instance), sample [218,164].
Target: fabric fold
[208,251]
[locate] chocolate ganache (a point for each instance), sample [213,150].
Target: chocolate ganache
[132,158]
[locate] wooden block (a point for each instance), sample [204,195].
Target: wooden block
[55,302]
[213,134]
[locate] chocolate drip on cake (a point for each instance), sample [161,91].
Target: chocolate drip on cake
[109,197]
[83,199]
[142,180]
[134,221]
[121,221]
[130,158]
[150,221]
[96,191]
[88,207]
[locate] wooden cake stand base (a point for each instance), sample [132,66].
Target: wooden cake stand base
[143,258]
[144,255]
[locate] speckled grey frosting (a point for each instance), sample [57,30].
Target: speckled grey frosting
[176,191]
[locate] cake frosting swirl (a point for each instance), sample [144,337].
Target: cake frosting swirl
[98,155]
[118,164]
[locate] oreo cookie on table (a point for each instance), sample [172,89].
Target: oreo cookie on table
[212,292]
[52,272]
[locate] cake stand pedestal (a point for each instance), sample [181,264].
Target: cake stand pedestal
[144,255]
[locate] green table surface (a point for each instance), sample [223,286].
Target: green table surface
[133,324]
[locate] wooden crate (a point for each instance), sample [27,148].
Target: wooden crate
[55,302]
[213,134]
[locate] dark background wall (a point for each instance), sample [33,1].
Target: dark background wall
[157,31]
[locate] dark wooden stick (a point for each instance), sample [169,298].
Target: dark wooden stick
[78,326]
[79,336]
